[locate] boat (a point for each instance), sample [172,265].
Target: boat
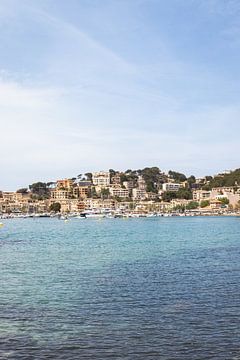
[63,217]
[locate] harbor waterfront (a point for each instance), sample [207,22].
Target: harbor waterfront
[143,288]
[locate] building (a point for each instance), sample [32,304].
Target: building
[139,194]
[81,192]
[119,192]
[99,204]
[64,184]
[179,202]
[61,194]
[101,179]
[141,183]
[116,179]
[129,185]
[152,196]
[199,195]
[67,205]
[171,186]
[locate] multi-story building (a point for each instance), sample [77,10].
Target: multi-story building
[8,195]
[64,184]
[99,204]
[199,195]
[139,194]
[81,191]
[224,190]
[141,183]
[67,205]
[119,192]
[101,178]
[171,186]
[61,194]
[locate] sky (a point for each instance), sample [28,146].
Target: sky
[89,85]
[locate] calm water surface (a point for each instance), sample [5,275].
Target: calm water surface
[164,288]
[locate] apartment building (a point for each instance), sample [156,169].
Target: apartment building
[141,183]
[101,178]
[119,192]
[64,184]
[171,186]
[139,194]
[199,195]
[61,194]
[81,191]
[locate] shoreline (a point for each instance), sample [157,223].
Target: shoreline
[98,216]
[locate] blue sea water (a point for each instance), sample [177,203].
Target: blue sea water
[150,288]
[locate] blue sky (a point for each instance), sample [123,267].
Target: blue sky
[96,84]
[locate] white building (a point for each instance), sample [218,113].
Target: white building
[199,195]
[139,194]
[101,178]
[141,183]
[171,186]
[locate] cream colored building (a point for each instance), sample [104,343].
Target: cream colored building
[61,194]
[138,194]
[119,192]
[171,186]
[141,183]
[199,195]
[101,178]
[99,204]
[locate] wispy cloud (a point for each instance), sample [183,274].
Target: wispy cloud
[72,100]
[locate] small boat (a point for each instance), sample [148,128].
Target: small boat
[81,216]
[63,217]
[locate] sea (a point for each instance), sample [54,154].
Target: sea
[163,288]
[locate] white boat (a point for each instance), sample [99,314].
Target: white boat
[63,217]
[92,215]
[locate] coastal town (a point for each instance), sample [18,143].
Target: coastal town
[133,193]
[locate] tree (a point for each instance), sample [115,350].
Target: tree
[224,200]
[237,206]
[123,177]
[192,205]
[56,207]
[88,176]
[40,190]
[93,193]
[169,195]
[153,178]
[176,176]
[191,180]
[204,203]
[206,187]
[229,179]
[112,172]
[22,191]
[105,193]
[50,183]
[183,193]
[179,208]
